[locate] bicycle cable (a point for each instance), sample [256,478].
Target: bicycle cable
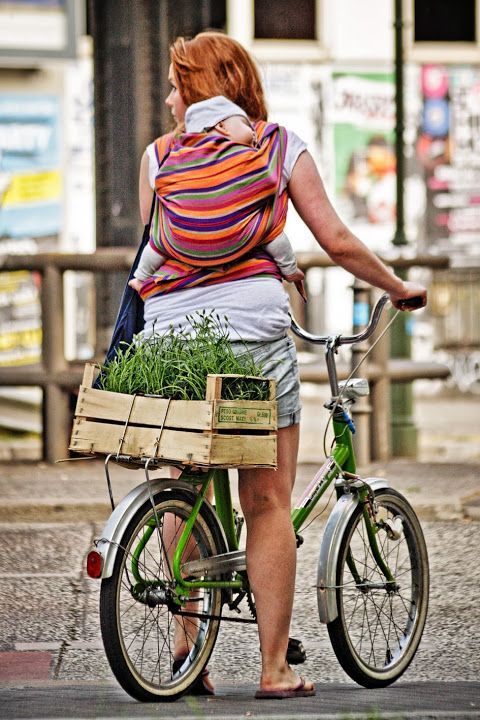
[339,397]
[305,527]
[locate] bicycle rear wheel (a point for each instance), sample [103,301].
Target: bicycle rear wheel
[142,627]
[378,628]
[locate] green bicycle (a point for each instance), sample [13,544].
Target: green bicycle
[169,562]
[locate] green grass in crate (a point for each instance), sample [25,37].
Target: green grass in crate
[176,364]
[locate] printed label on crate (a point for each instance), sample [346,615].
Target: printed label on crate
[244,415]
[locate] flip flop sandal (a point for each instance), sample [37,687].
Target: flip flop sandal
[299,691]
[202,685]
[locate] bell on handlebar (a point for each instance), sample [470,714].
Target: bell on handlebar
[354,388]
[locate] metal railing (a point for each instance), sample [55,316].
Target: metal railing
[58,377]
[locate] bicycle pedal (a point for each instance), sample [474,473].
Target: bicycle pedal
[394,528]
[296,654]
[234,605]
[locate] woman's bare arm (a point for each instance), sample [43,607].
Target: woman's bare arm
[307,192]
[145,192]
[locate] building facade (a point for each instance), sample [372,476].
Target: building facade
[328,71]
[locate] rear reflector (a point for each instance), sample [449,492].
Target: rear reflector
[94,564]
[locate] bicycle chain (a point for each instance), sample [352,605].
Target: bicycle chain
[205,616]
[251,605]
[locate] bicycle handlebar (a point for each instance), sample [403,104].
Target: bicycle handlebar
[410,303]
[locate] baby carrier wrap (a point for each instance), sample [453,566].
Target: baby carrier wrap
[217,203]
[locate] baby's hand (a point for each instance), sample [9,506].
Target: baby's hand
[136,284]
[298,278]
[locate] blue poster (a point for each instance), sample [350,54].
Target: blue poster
[30,177]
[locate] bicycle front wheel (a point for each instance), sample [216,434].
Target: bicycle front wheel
[156,648]
[379,626]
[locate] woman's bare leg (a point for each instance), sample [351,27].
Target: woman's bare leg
[265,496]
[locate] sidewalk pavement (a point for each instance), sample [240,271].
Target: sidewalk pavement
[76,491]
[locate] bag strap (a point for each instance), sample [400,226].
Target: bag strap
[152,209]
[164,145]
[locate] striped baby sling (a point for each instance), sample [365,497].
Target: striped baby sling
[217,203]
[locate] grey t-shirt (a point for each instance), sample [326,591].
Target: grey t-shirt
[257,308]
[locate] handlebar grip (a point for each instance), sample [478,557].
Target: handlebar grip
[412,303]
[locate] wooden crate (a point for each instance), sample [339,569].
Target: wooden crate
[222,433]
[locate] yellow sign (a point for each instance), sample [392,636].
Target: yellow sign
[21,339]
[33,187]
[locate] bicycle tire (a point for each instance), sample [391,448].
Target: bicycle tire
[376,633]
[138,639]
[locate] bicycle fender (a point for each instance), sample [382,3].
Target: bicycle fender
[330,548]
[108,543]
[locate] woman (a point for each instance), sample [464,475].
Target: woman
[257,307]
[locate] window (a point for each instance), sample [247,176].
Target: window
[279,30]
[285,20]
[445,21]
[442,31]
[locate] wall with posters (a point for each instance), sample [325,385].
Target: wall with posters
[347,119]
[47,193]
[448,151]
[30,211]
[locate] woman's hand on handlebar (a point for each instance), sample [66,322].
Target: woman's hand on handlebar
[413,297]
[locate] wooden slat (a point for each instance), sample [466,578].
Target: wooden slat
[272,385]
[106,405]
[244,450]
[188,414]
[214,387]
[89,436]
[189,448]
[90,372]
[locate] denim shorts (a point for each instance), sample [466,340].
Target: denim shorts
[278,359]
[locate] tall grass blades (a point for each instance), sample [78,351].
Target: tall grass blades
[176,364]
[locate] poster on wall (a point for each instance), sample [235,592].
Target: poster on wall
[448,151]
[30,178]
[363,127]
[38,28]
[20,318]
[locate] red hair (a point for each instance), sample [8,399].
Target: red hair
[214,64]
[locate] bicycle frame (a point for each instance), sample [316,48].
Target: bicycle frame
[341,463]
[224,511]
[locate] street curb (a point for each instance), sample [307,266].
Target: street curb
[99,512]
